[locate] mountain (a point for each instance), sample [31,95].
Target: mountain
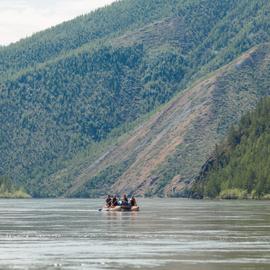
[164,154]
[71,95]
[239,167]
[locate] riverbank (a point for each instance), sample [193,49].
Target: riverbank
[8,190]
[18,194]
[241,194]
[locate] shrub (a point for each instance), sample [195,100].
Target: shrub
[266,197]
[233,194]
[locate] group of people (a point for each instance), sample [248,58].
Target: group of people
[114,201]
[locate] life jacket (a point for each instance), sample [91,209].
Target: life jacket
[114,202]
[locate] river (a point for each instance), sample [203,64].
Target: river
[167,234]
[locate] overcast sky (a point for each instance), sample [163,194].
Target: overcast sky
[21,18]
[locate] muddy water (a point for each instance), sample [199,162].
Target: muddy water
[167,234]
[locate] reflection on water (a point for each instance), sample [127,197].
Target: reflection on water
[167,234]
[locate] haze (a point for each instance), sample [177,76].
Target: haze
[22,18]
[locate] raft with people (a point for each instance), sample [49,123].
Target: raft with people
[113,204]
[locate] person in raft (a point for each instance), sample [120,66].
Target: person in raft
[109,201]
[114,201]
[125,200]
[133,201]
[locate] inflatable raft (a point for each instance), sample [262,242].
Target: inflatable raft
[120,208]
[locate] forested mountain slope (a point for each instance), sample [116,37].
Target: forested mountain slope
[77,86]
[106,23]
[239,167]
[164,154]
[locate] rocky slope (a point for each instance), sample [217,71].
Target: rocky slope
[163,154]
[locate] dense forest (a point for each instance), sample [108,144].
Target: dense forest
[239,167]
[74,86]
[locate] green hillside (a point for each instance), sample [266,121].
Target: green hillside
[80,85]
[8,190]
[240,165]
[104,24]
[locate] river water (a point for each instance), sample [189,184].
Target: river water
[167,234]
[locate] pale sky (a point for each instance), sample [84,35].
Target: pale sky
[21,18]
